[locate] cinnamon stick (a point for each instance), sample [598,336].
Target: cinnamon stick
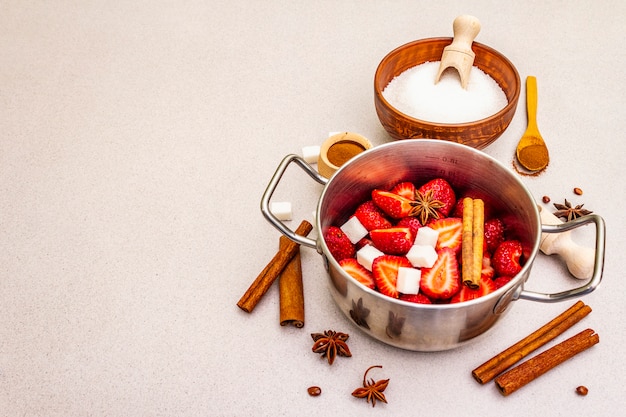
[467,264]
[499,363]
[478,238]
[533,368]
[262,283]
[291,293]
[472,236]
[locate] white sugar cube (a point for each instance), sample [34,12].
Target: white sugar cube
[422,256]
[366,255]
[354,229]
[310,154]
[426,236]
[408,280]
[281,209]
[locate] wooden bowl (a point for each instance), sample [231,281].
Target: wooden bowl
[477,134]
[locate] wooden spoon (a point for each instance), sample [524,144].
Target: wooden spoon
[532,152]
[459,54]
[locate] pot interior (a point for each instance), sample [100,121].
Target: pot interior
[420,160]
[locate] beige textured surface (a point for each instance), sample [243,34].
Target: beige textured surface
[136,139]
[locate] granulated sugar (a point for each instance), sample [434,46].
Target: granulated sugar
[415,94]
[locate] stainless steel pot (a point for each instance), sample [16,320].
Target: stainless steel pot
[423,327]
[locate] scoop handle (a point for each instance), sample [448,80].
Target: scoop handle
[579,259]
[465,29]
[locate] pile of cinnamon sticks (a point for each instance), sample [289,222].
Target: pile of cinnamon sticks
[285,265]
[515,378]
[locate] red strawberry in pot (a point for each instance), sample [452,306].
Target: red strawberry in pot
[506,260]
[411,222]
[466,293]
[385,271]
[371,217]
[442,280]
[339,244]
[440,190]
[450,233]
[393,241]
[358,272]
[405,189]
[392,204]
[494,234]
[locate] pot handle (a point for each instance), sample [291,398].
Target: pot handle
[598,266]
[271,187]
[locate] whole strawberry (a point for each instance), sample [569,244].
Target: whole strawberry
[494,233]
[339,244]
[440,190]
[371,217]
[506,259]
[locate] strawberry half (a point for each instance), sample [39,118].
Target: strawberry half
[506,258]
[393,241]
[450,233]
[405,189]
[358,272]
[441,281]
[441,191]
[392,204]
[339,244]
[385,271]
[494,234]
[371,217]
[466,293]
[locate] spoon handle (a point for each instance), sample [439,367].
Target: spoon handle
[531,102]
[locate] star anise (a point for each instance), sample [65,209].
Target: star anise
[372,390]
[330,344]
[425,206]
[567,212]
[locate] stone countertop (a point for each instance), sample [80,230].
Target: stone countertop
[136,141]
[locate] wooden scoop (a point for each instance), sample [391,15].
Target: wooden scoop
[459,54]
[532,152]
[579,259]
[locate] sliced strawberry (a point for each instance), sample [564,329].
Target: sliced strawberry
[405,189]
[494,234]
[442,280]
[392,204]
[385,271]
[416,298]
[466,293]
[450,233]
[506,259]
[371,217]
[501,281]
[411,222]
[393,241]
[339,244]
[358,272]
[441,191]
